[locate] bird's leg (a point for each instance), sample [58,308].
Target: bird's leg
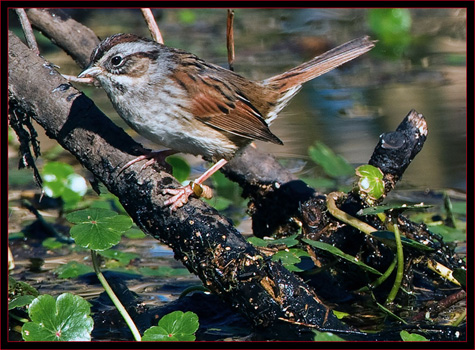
[180,195]
[157,156]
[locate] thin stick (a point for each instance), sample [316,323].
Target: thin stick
[152,25]
[345,217]
[74,79]
[230,39]
[27,30]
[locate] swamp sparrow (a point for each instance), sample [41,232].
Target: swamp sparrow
[177,100]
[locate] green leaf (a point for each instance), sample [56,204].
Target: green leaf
[219,203]
[397,207]
[290,257]
[176,326]
[98,229]
[461,276]
[319,183]
[392,28]
[134,233]
[334,165]
[406,336]
[52,243]
[371,181]
[60,180]
[64,319]
[340,314]
[459,208]
[20,301]
[16,288]
[337,252]
[326,336]
[387,237]
[287,241]
[181,169]
[72,269]
[450,234]
[123,257]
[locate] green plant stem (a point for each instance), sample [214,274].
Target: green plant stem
[400,266]
[114,298]
[381,278]
[18,318]
[346,218]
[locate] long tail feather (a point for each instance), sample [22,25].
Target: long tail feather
[320,64]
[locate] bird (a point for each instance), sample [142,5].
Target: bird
[177,100]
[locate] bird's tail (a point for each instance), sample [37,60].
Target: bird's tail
[293,78]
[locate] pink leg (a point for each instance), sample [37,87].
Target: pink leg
[158,156]
[180,195]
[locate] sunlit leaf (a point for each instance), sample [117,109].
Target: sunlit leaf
[406,336]
[64,319]
[176,326]
[98,229]
[60,180]
[371,181]
[326,336]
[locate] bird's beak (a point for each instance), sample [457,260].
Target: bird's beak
[90,72]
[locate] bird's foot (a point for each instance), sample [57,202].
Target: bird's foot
[152,157]
[181,195]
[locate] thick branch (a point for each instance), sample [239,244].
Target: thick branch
[75,39]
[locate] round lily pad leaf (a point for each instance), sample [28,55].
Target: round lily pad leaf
[97,228]
[64,319]
[176,326]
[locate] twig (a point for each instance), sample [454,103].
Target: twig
[230,39]
[345,217]
[27,30]
[442,270]
[152,25]
[75,79]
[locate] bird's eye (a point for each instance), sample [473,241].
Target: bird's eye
[116,60]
